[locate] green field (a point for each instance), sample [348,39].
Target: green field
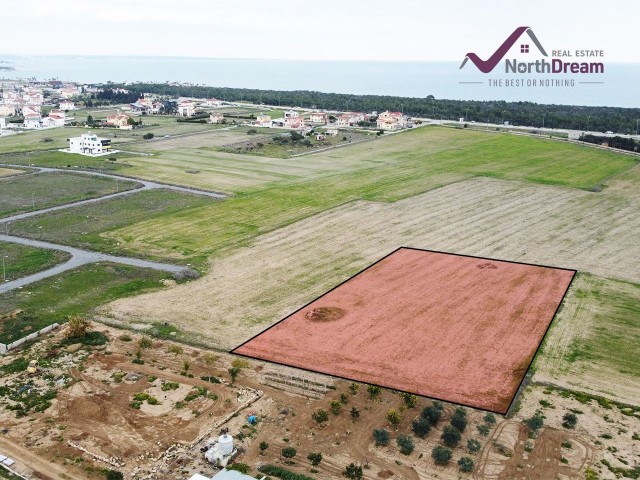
[386,170]
[21,260]
[84,225]
[76,292]
[35,192]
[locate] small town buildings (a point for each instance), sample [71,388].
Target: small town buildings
[31,111]
[332,131]
[391,121]
[66,104]
[216,117]
[186,108]
[89,144]
[263,120]
[120,120]
[56,118]
[3,124]
[7,110]
[320,137]
[142,105]
[349,119]
[32,122]
[211,103]
[320,118]
[69,91]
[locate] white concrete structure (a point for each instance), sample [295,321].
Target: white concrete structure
[120,120]
[3,124]
[186,109]
[32,122]
[318,118]
[89,144]
[66,105]
[391,121]
[263,120]
[220,450]
[349,119]
[216,117]
[7,110]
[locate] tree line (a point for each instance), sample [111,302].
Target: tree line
[616,119]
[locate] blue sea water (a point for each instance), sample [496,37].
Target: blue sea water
[410,79]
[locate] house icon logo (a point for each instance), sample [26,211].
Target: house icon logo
[485,66]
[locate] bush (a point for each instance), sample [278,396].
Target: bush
[373,391]
[459,419]
[239,467]
[473,445]
[282,473]
[355,413]
[289,452]
[441,455]
[113,475]
[536,422]
[394,417]
[233,373]
[569,420]
[148,136]
[490,419]
[145,342]
[77,327]
[450,436]
[353,471]
[335,407]
[253,131]
[465,464]
[421,427]
[484,430]
[320,416]
[315,458]
[409,399]
[381,437]
[433,413]
[405,443]
[353,388]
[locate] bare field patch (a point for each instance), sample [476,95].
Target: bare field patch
[7,172]
[278,272]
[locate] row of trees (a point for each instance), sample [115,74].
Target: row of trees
[621,120]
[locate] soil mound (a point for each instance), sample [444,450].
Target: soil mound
[325,314]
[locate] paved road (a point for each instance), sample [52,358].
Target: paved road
[78,258]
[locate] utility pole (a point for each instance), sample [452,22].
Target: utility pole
[637,126]
[502,120]
[588,117]
[4,268]
[543,117]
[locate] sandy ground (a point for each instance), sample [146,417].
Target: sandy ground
[5,172]
[416,320]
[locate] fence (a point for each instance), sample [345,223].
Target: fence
[5,348]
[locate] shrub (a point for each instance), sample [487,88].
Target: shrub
[175,349]
[145,342]
[536,422]
[394,417]
[459,419]
[484,430]
[239,467]
[148,136]
[450,436]
[320,416]
[353,471]
[490,418]
[373,391]
[409,399]
[335,407]
[253,131]
[433,413]
[381,437]
[233,373]
[569,420]
[166,386]
[263,447]
[77,327]
[355,413]
[473,445]
[405,443]
[289,452]
[315,458]
[465,464]
[353,388]
[441,455]
[421,427]
[113,475]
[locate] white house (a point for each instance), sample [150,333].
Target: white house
[211,103]
[318,118]
[349,119]
[89,144]
[56,118]
[391,121]
[31,110]
[263,120]
[69,91]
[66,105]
[3,124]
[7,110]
[32,122]
[332,131]
[186,109]
[216,117]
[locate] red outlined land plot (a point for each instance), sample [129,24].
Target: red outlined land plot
[452,327]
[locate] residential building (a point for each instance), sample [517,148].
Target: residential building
[216,117]
[211,103]
[120,120]
[31,110]
[89,144]
[186,109]
[32,122]
[349,119]
[7,110]
[318,118]
[320,137]
[3,124]
[69,91]
[66,105]
[391,121]
[56,118]
[263,120]
[142,105]
[332,131]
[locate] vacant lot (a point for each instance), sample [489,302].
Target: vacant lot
[76,292]
[84,225]
[7,172]
[42,190]
[455,310]
[49,139]
[21,260]
[593,346]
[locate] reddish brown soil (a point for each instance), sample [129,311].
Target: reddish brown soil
[455,328]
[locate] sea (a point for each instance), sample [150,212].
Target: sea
[616,87]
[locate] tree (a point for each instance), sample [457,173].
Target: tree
[77,327]
[320,416]
[315,458]
[148,136]
[89,120]
[114,475]
[394,417]
[432,414]
[233,373]
[263,447]
[131,121]
[373,391]
[289,452]
[465,464]
[570,420]
[441,455]
[421,427]
[353,388]
[490,419]
[483,430]
[295,136]
[405,443]
[335,407]
[536,422]
[473,445]
[353,471]
[381,437]
[344,398]
[450,436]
[355,413]
[459,419]
[409,399]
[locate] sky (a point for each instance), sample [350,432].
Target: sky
[401,30]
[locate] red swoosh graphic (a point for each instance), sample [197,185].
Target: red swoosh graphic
[488,65]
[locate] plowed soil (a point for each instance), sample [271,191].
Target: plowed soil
[456,328]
